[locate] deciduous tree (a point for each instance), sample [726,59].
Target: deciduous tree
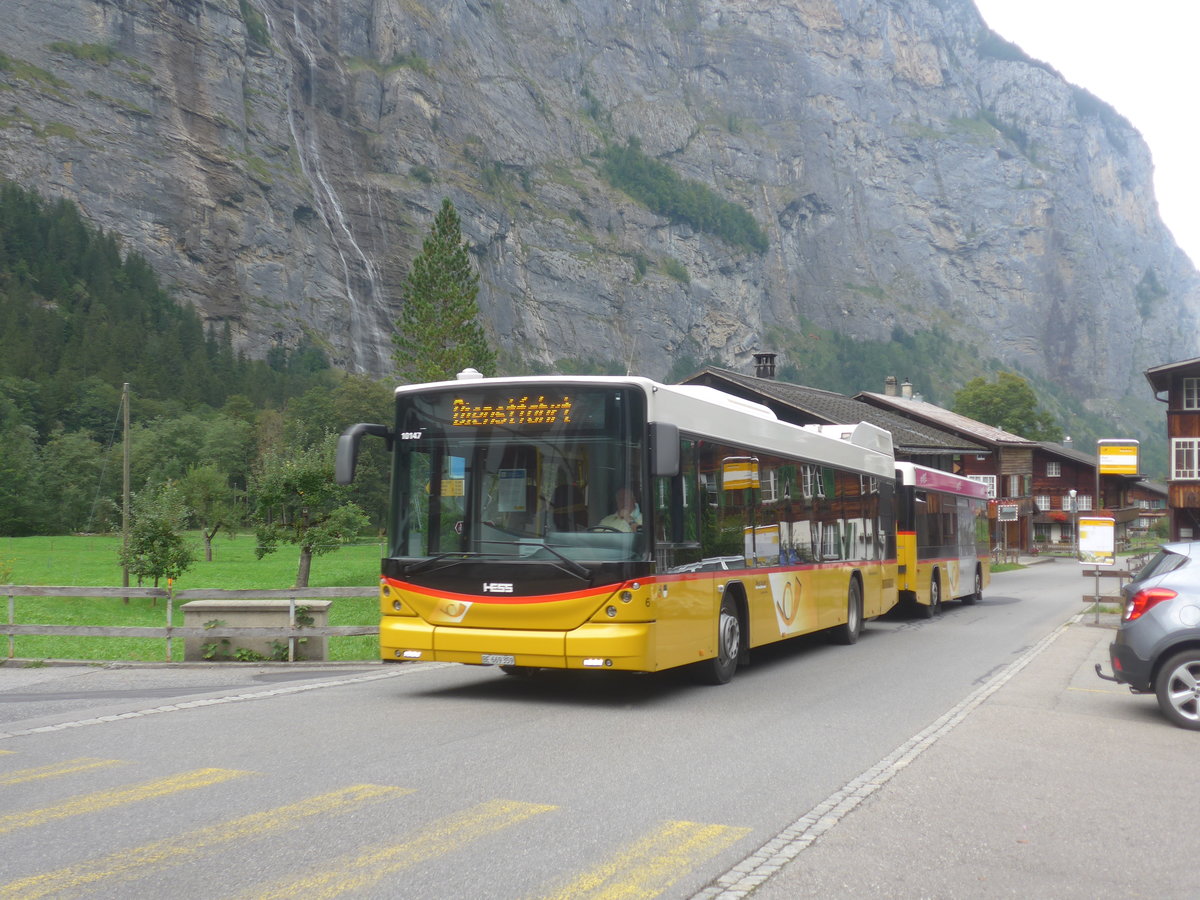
[157,548]
[213,503]
[300,503]
[1008,403]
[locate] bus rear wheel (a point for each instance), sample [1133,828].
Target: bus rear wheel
[848,634]
[977,591]
[720,669]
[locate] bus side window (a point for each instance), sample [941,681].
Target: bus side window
[678,504]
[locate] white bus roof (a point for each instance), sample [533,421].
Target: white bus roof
[708,412]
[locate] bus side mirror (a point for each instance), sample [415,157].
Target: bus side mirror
[347,449]
[664,449]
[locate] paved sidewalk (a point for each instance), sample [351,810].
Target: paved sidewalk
[1059,785]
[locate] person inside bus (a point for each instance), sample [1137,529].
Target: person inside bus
[627,516]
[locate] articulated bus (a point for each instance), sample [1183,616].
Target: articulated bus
[942,547]
[618,523]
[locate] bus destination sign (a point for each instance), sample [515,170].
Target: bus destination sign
[512,412]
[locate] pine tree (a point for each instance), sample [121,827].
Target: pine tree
[438,333]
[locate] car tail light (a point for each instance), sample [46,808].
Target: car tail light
[1144,600]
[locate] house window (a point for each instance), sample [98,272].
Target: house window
[1185,459]
[1018,486]
[1053,469]
[988,481]
[770,489]
[1042,502]
[1085,502]
[1191,393]
[813,485]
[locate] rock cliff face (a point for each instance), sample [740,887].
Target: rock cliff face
[279,162]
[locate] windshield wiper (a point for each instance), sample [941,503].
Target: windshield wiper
[429,561]
[571,566]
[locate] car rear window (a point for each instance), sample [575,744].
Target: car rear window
[1162,562]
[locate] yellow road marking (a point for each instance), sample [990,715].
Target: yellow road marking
[127,865]
[653,863]
[355,873]
[69,767]
[90,803]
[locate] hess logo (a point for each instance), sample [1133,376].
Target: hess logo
[497,587]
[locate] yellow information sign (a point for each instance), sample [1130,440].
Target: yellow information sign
[738,473]
[1117,457]
[1096,541]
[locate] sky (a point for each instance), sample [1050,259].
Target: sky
[1143,59]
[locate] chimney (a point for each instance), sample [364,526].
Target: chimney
[889,386]
[1066,441]
[764,365]
[906,390]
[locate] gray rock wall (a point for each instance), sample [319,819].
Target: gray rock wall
[907,173]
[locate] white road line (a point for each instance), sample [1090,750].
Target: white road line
[229,698]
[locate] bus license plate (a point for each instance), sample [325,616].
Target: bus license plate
[496,659]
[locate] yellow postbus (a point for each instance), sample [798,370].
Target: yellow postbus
[942,546]
[613,523]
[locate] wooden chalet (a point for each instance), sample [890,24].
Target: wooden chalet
[1178,385]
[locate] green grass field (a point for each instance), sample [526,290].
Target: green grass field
[92,561]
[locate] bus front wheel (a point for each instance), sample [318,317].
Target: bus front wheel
[935,598]
[720,669]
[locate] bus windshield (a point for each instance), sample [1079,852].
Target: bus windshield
[532,471]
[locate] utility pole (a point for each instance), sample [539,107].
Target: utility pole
[1073,494]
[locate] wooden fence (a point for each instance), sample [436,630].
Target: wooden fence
[290,632]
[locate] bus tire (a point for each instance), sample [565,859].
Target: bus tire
[977,593]
[935,597]
[720,669]
[848,633]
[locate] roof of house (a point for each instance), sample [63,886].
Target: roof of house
[1160,376]
[988,435]
[804,405]
[1087,459]
[1154,487]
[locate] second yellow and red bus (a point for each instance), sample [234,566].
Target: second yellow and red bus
[941,538]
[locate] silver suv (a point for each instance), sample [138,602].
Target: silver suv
[1157,648]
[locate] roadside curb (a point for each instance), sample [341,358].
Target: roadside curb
[36,663]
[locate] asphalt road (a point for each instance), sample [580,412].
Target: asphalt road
[448,781]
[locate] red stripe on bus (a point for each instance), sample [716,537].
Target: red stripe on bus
[723,575]
[603,590]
